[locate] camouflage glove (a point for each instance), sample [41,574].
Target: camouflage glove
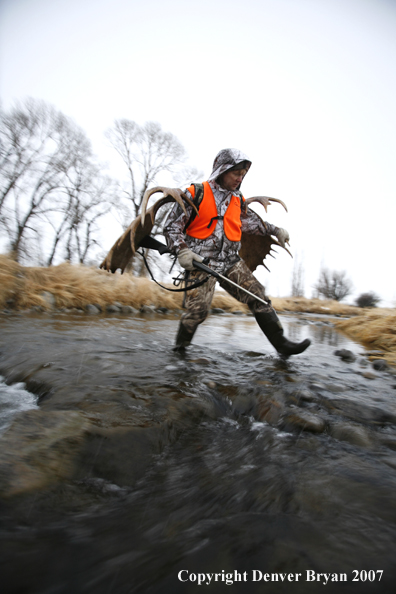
[282,236]
[186,257]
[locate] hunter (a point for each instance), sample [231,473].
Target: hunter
[215,236]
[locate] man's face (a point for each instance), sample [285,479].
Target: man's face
[232,179]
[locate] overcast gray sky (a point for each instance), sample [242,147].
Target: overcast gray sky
[307,88]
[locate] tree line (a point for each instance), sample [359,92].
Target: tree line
[54,191]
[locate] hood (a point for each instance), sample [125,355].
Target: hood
[225,160]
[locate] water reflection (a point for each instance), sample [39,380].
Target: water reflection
[239,333]
[320,332]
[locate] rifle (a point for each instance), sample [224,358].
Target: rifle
[153,244]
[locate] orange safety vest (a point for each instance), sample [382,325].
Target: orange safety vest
[204,224]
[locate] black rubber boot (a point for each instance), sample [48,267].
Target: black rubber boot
[272,328]
[183,339]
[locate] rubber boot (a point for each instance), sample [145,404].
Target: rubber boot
[272,328]
[183,339]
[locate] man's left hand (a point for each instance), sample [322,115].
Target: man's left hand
[283,236]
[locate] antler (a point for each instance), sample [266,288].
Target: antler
[265,201]
[254,248]
[177,195]
[125,247]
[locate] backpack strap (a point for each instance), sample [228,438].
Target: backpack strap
[198,196]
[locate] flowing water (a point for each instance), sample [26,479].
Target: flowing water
[258,475]
[13,399]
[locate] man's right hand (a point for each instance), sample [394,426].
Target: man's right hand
[186,257]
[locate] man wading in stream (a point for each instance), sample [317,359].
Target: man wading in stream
[215,236]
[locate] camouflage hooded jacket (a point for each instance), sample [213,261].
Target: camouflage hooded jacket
[222,252]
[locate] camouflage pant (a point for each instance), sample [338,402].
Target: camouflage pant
[198,300]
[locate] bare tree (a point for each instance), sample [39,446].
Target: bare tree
[147,151]
[39,147]
[333,284]
[98,202]
[297,286]
[50,184]
[89,196]
[23,134]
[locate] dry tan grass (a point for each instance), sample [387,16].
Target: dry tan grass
[76,286]
[317,306]
[374,328]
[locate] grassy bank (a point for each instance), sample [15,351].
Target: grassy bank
[316,306]
[23,288]
[71,286]
[374,328]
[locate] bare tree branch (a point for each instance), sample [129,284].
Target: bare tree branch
[333,285]
[48,175]
[147,151]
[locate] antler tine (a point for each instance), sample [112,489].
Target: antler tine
[276,242]
[176,194]
[265,201]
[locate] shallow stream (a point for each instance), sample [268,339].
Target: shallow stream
[227,461]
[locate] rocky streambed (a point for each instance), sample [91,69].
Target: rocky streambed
[123,464]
